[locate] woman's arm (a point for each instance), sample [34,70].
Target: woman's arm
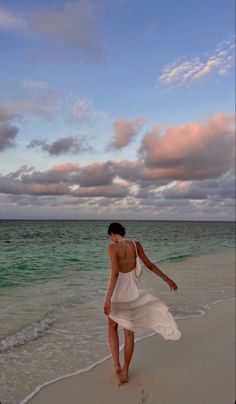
[153,267]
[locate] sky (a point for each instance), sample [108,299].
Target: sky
[117,109]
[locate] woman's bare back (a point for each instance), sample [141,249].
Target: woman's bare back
[126,255]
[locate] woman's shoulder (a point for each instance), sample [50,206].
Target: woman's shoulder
[132,241]
[138,244]
[111,248]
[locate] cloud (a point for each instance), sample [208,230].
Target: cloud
[23,169]
[8,132]
[82,111]
[66,145]
[47,189]
[6,115]
[45,102]
[62,173]
[11,22]
[10,185]
[151,189]
[75,26]
[96,174]
[38,85]
[66,168]
[222,187]
[125,131]
[192,151]
[40,101]
[189,190]
[60,180]
[109,191]
[46,106]
[185,73]
[193,161]
[52,188]
[7,136]
[66,207]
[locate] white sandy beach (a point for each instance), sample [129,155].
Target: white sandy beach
[197,369]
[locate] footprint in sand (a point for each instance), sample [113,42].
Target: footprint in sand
[145,396]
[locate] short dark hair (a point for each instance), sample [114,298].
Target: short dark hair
[116,228]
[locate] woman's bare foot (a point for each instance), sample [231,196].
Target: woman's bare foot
[118,373]
[124,374]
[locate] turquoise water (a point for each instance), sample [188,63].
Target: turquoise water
[53,281]
[35,251]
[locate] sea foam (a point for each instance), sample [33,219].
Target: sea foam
[28,333]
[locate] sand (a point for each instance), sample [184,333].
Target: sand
[198,369]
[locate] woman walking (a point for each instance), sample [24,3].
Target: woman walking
[128,304]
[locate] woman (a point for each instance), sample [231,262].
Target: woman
[128,304]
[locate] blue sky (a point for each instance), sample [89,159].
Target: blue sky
[117,109]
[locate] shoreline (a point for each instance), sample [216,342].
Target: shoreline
[76,386]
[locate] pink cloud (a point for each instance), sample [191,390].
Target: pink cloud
[193,151]
[73,26]
[65,168]
[125,131]
[48,189]
[109,191]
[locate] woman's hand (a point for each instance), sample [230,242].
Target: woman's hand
[171,284]
[107,306]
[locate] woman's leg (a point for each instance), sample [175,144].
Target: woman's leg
[128,352]
[114,343]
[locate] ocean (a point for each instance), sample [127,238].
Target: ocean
[53,280]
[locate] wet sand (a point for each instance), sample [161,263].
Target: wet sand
[198,369]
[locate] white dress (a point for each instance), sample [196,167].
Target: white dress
[135,309]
